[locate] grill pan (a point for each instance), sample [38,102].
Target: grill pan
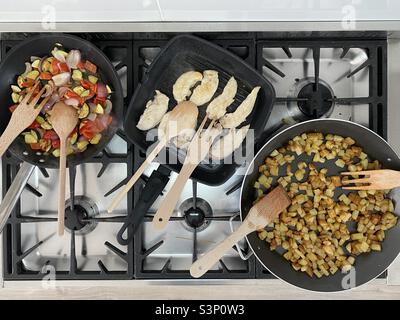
[184,53]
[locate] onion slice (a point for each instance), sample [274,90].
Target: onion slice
[72,102]
[58,55]
[53,99]
[61,79]
[101,90]
[73,59]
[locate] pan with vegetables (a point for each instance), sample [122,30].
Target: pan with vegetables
[70,70]
[328,239]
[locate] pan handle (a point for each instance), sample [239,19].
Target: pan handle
[14,192]
[153,188]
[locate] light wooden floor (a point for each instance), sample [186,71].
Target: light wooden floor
[252,289]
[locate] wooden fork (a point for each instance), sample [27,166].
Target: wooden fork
[373,180]
[197,151]
[22,117]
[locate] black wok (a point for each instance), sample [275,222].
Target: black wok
[367,266]
[13,65]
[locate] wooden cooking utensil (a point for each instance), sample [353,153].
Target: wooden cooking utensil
[197,151]
[178,117]
[373,179]
[63,119]
[22,117]
[261,214]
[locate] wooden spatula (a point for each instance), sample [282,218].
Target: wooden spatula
[373,180]
[63,119]
[261,214]
[22,117]
[197,151]
[178,120]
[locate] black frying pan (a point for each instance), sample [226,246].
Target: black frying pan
[13,65]
[184,53]
[367,266]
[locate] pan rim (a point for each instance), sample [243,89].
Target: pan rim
[247,174]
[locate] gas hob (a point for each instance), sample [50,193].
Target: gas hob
[351,78]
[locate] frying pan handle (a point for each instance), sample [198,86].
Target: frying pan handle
[14,192]
[153,188]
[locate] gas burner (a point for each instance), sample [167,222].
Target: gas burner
[77,219]
[195,217]
[316,104]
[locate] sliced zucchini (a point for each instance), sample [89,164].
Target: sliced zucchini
[46,65]
[76,75]
[84,111]
[108,89]
[30,138]
[20,81]
[56,152]
[93,79]
[47,126]
[33,74]
[15,97]
[78,90]
[85,93]
[96,139]
[99,109]
[73,138]
[82,144]
[36,63]
[40,119]
[15,88]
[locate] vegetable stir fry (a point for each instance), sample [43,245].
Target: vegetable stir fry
[69,78]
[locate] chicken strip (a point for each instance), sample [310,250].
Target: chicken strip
[234,119]
[217,108]
[205,91]
[227,144]
[154,111]
[182,86]
[186,135]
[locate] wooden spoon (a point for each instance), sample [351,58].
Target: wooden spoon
[197,151]
[261,214]
[63,119]
[178,121]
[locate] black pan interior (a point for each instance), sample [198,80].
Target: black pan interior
[14,64]
[185,53]
[367,266]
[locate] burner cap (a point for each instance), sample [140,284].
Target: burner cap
[195,218]
[317,105]
[84,208]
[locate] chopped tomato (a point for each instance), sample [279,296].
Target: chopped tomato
[71,94]
[81,65]
[34,125]
[99,100]
[63,67]
[45,76]
[54,69]
[50,135]
[88,129]
[88,85]
[92,68]
[27,83]
[55,144]
[36,146]
[13,107]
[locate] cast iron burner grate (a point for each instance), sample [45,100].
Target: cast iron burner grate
[134,53]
